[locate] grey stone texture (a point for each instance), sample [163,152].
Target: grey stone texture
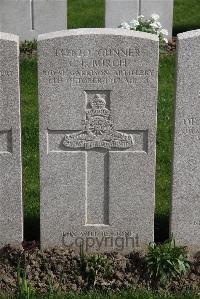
[97,98]
[118,11]
[28,18]
[185,211]
[164,8]
[11,219]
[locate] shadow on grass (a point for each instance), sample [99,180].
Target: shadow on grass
[31,228]
[161,228]
[180,29]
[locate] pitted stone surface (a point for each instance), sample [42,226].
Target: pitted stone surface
[97,97]
[11,219]
[185,214]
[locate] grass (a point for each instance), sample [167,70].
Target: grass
[89,13]
[30,147]
[164,145]
[85,14]
[186,15]
[123,295]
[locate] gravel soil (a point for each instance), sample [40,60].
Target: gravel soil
[60,269]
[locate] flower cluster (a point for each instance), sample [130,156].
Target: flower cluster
[151,25]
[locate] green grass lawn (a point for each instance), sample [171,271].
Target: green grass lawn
[85,14]
[89,13]
[30,147]
[186,15]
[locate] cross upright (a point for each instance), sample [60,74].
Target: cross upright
[6,142]
[98,139]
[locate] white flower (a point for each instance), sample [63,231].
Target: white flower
[165,40]
[158,24]
[134,24]
[164,32]
[155,25]
[155,17]
[140,17]
[125,25]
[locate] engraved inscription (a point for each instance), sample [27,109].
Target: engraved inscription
[6,74]
[98,129]
[94,233]
[96,76]
[103,52]
[98,240]
[196,222]
[191,126]
[98,66]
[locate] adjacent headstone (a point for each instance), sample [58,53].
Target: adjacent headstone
[118,11]
[164,8]
[97,97]
[28,18]
[185,214]
[11,219]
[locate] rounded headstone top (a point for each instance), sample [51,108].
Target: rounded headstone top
[9,36]
[98,31]
[189,34]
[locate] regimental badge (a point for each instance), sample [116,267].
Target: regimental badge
[98,130]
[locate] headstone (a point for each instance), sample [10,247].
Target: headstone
[164,8]
[185,221]
[28,18]
[11,219]
[97,91]
[118,11]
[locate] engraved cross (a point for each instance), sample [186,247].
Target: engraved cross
[6,142]
[98,139]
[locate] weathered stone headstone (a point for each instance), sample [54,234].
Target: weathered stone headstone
[97,90]
[118,11]
[164,8]
[11,219]
[28,18]
[185,214]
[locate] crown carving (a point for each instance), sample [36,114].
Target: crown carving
[98,107]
